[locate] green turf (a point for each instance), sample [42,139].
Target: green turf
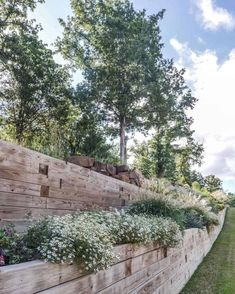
[216,274]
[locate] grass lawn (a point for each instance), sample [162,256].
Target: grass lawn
[216,274]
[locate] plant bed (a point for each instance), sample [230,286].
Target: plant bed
[87,238]
[138,268]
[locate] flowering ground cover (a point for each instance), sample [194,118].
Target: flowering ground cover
[87,238]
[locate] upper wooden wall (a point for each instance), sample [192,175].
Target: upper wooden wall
[33,184]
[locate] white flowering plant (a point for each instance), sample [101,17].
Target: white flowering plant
[88,238]
[131,228]
[69,239]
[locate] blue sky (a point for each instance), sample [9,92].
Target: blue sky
[200,36]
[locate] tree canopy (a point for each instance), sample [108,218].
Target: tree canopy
[36,88]
[126,76]
[213,183]
[128,86]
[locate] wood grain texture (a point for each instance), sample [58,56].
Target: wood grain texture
[26,174]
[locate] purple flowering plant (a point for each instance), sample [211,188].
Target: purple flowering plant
[12,249]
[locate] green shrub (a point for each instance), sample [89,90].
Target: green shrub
[193,219]
[208,218]
[196,186]
[161,185]
[186,216]
[159,207]
[231,201]
[165,231]
[13,246]
[135,228]
[216,200]
[215,204]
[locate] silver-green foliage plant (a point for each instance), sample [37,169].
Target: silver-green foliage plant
[185,214]
[89,238]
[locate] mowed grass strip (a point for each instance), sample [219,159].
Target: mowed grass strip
[216,274]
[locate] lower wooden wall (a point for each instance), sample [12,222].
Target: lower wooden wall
[140,269]
[33,185]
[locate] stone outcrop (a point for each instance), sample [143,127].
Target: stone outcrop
[120,172]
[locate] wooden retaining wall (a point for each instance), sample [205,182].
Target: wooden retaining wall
[140,269]
[33,185]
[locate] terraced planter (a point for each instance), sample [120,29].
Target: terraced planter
[140,269]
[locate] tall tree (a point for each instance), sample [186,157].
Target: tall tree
[162,157]
[198,179]
[35,89]
[212,183]
[155,158]
[111,42]
[187,156]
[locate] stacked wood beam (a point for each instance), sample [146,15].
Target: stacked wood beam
[33,185]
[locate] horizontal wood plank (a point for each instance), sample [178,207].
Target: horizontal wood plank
[19,187]
[21,213]
[22,200]
[35,276]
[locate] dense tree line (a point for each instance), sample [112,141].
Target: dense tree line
[128,86]
[39,107]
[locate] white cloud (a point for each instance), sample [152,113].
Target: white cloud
[214,115]
[176,44]
[214,17]
[200,40]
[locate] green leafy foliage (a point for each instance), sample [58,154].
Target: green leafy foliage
[127,79]
[37,88]
[128,85]
[213,183]
[14,16]
[232,202]
[161,157]
[193,219]
[196,186]
[84,135]
[158,207]
[35,92]
[131,228]
[215,203]
[13,246]
[39,108]
[108,40]
[231,199]
[155,158]
[68,239]
[186,216]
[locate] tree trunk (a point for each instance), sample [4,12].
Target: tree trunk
[19,133]
[123,157]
